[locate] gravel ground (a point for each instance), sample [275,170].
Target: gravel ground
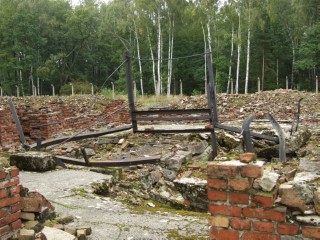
[108,218]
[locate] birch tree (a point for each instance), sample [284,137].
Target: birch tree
[139,57]
[248,49]
[239,54]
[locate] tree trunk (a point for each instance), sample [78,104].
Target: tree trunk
[293,62]
[239,54]
[205,60]
[159,82]
[248,54]
[32,83]
[209,39]
[263,67]
[231,56]
[170,55]
[277,73]
[139,60]
[153,64]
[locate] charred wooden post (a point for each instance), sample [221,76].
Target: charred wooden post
[246,133]
[212,105]
[130,91]
[17,122]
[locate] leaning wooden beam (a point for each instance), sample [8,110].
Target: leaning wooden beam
[81,136]
[122,162]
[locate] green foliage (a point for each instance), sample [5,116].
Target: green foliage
[58,43]
[78,86]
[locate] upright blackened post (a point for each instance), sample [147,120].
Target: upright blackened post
[211,96]
[130,91]
[212,92]
[17,122]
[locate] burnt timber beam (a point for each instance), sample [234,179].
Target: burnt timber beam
[172,118]
[253,134]
[82,136]
[17,122]
[246,133]
[121,162]
[173,111]
[190,130]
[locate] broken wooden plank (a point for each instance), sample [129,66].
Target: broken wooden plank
[187,130]
[81,136]
[121,162]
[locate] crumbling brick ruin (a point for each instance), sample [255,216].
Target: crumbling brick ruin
[238,211]
[49,118]
[10,209]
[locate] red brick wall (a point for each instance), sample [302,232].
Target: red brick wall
[10,211]
[9,136]
[52,119]
[240,212]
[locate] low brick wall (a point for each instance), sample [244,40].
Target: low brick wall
[54,117]
[10,212]
[240,212]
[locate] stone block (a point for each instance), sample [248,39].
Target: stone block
[248,157]
[296,195]
[28,216]
[33,161]
[26,234]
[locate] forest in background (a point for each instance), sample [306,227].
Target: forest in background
[51,42]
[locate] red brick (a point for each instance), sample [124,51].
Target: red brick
[263,226]
[16,224]
[10,218]
[239,198]
[3,193]
[3,212]
[221,234]
[218,170]
[14,171]
[311,232]
[10,182]
[5,202]
[240,184]
[240,224]
[225,210]
[262,201]
[3,174]
[14,190]
[4,230]
[15,207]
[261,213]
[247,157]
[251,171]
[217,195]
[219,221]
[288,229]
[259,236]
[217,183]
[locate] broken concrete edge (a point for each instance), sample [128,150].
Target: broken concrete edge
[241,207]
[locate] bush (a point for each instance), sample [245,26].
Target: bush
[78,86]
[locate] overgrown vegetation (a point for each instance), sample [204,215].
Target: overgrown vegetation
[48,42]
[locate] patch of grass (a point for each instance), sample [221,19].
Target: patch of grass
[65,205]
[156,100]
[80,191]
[174,234]
[161,207]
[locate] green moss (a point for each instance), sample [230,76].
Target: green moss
[65,205]
[260,193]
[201,175]
[174,234]
[80,191]
[161,207]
